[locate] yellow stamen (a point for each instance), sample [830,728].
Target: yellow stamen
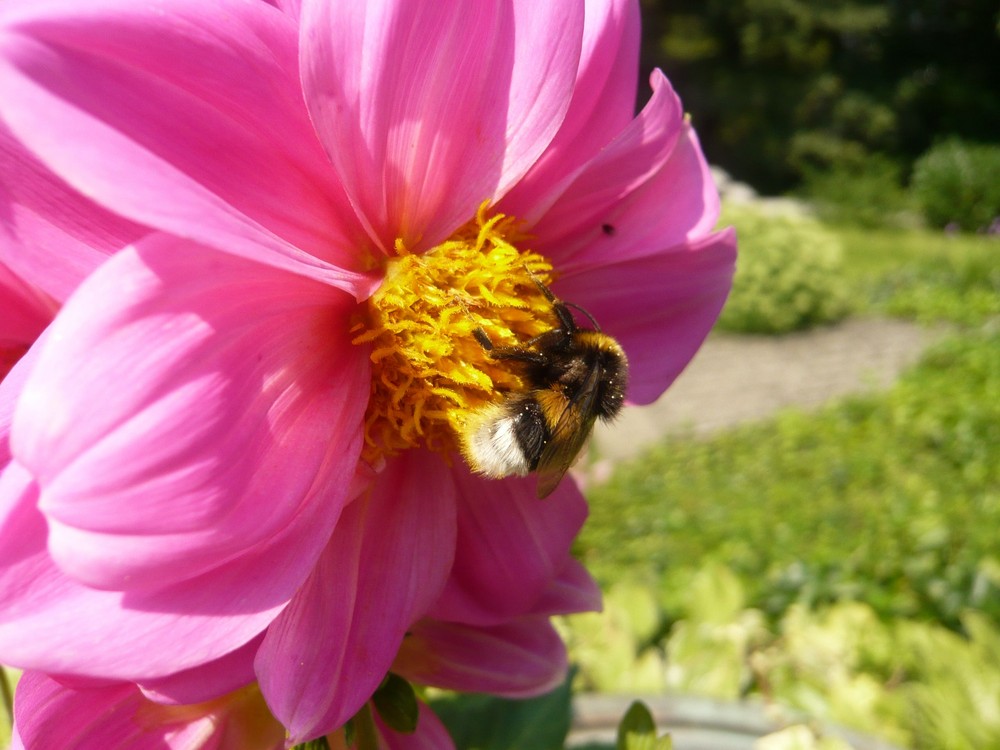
[428,370]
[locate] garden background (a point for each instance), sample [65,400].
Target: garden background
[839,562]
[837,566]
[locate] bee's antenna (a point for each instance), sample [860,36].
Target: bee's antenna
[587,314]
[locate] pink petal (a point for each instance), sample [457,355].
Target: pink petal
[26,313]
[189,408]
[26,310]
[49,714]
[511,546]
[603,105]
[195,126]
[659,307]
[601,188]
[676,205]
[323,658]
[291,7]
[546,49]
[11,386]
[427,109]
[206,681]
[52,623]
[50,235]
[429,735]
[516,659]
[573,591]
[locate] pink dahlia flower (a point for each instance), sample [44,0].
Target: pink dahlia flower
[518,658]
[239,435]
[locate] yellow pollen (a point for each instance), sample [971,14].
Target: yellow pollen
[428,370]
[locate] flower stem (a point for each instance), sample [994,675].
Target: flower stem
[366,737]
[318,744]
[7,695]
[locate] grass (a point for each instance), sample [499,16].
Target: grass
[930,277]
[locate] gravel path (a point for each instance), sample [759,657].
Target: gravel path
[737,379]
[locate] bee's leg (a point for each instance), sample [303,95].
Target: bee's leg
[541,287]
[483,339]
[516,353]
[566,320]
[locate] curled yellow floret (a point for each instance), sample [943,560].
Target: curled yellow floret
[429,373]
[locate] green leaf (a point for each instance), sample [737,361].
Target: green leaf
[396,704]
[637,730]
[317,744]
[636,721]
[478,722]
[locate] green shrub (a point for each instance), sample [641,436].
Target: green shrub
[958,183]
[787,277]
[870,194]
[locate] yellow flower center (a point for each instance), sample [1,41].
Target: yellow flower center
[429,373]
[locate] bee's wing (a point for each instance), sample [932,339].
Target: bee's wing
[568,437]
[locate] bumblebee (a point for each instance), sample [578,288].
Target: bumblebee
[574,377]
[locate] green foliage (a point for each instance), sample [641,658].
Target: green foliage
[868,194]
[924,276]
[8,682]
[708,647]
[613,645]
[958,184]
[396,704]
[835,664]
[778,88]
[928,277]
[482,722]
[892,499]
[917,683]
[637,731]
[317,744]
[787,277]
[913,683]
[953,694]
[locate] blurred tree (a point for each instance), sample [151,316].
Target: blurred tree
[781,87]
